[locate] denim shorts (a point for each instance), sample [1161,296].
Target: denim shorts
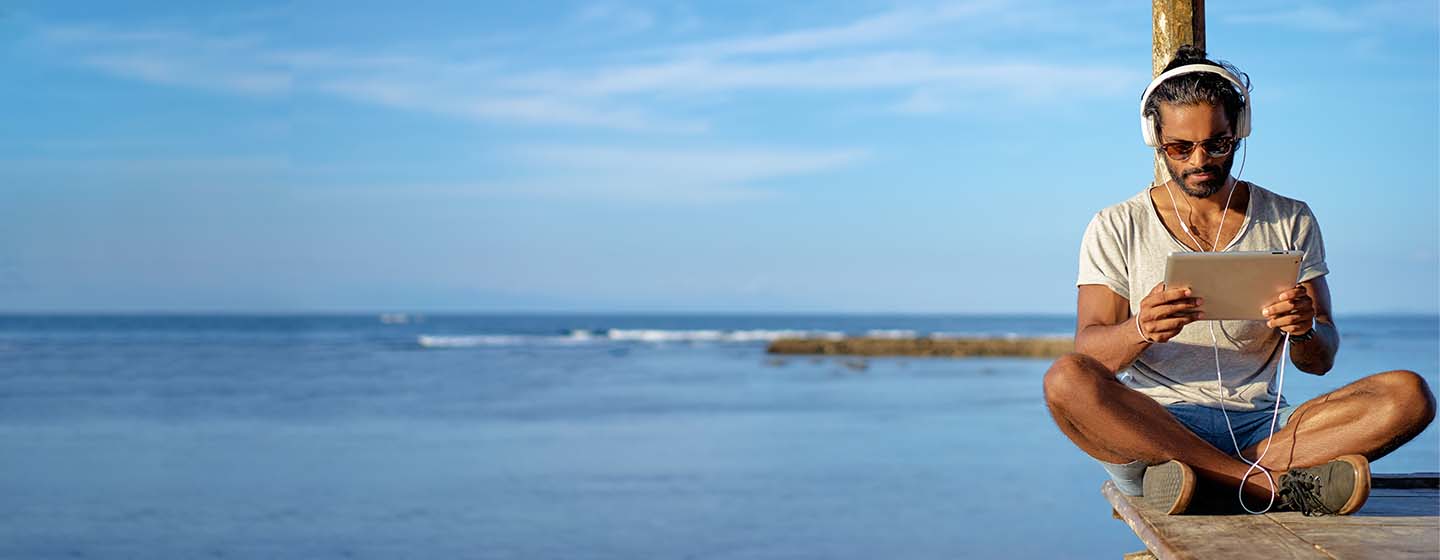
[1251,427]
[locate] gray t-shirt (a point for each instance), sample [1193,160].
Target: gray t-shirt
[1124,249]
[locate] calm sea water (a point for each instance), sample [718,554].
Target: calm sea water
[550,436]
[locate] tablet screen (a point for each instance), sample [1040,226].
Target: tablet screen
[1235,285]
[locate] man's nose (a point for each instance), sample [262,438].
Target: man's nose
[1198,155]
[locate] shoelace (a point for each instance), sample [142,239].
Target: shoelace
[1302,493]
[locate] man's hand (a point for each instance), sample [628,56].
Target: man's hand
[1164,312]
[1292,311]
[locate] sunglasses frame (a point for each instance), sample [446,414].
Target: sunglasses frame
[1189,148]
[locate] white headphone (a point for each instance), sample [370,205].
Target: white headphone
[1151,130]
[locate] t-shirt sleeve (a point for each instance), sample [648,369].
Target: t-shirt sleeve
[1307,238]
[1102,260]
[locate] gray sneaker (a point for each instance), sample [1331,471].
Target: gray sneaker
[1339,487]
[1168,487]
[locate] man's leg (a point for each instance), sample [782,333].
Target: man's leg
[1370,417]
[1117,424]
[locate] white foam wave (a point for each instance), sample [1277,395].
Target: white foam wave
[890,333]
[710,335]
[579,336]
[470,341]
[991,334]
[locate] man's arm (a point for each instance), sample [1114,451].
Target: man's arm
[1105,330]
[1300,309]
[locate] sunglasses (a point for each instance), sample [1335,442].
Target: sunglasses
[1214,147]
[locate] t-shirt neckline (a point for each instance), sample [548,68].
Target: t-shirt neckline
[1245,227]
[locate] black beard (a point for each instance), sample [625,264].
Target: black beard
[1204,189]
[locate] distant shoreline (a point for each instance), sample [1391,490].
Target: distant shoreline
[1037,347]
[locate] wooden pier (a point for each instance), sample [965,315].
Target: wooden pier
[1400,520]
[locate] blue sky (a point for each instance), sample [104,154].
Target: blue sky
[628,156]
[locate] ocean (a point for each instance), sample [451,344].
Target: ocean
[558,436]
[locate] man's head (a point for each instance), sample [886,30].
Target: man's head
[1199,111]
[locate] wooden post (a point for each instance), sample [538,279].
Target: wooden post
[1174,23]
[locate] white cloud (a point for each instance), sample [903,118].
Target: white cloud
[894,24]
[1311,17]
[670,175]
[921,102]
[713,166]
[650,175]
[101,36]
[611,90]
[531,109]
[172,58]
[615,18]
[1374,16]
[179,72]
[883,70]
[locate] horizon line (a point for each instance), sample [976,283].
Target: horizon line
[513,312]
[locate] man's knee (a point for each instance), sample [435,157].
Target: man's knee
[1073,377]
[1406,396]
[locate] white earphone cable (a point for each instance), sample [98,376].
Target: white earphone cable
[1215,344]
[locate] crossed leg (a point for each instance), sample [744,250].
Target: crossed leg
[1116,424]
[1370,417]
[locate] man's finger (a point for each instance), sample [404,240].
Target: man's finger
[1171,326]
[1286,295]
[1292,293]
[1167,296]
[1277,309]
[1288,307]
[1185,305]
[1288,321]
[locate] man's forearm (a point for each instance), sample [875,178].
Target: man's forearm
[1113,345]
[1317,355]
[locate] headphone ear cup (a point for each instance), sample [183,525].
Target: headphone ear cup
[1242,128]
[1147,131]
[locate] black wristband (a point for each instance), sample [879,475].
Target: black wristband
[1307,335]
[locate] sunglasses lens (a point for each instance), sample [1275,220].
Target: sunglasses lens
[1179,150]
[1219,146]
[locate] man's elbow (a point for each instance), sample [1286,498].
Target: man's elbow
[1091,347]
[1316,368]
[1317,365]
[1321,361]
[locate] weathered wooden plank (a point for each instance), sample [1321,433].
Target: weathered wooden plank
[1177,537]
[1395,523]
[1347,542]
[1399,521]
[1418,507]
[1292,519]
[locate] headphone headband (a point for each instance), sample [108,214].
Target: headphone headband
[1147,123]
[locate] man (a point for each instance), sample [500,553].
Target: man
[1141,394]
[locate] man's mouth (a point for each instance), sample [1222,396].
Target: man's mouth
[1202,174]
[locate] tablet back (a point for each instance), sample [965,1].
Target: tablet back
[1234,285]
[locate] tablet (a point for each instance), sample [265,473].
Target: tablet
[1234,285]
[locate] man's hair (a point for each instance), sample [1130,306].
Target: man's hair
[1198,87]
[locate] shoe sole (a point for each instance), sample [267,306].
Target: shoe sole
[1362,483]
[1168,487]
